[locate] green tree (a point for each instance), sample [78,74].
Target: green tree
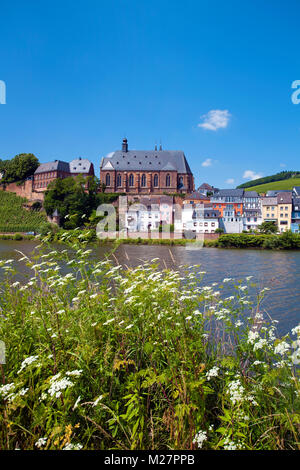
[268,227]
[19,168]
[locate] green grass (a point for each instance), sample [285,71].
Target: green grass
[107,357]
[284,184]
[15,218]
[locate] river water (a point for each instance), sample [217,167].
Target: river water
[277,270]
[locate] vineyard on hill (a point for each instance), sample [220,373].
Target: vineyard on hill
[15,218]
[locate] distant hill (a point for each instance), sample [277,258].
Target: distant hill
[283,175]
[283,184]
[15,218]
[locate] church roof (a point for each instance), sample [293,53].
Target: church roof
[147,160]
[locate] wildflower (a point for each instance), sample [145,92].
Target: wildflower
[6,389]
[199,438]
[75,373]
[212,373]
[129,326]
[27,362]
[281,348]
[41,442]
[58,385]
[296,330]
[72,447]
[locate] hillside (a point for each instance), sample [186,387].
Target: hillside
[15,218]
[284,184]
[283,175]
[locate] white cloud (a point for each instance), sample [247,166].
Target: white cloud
[215,119]
[230,181]
[207,162]
[249,174]
[282,165]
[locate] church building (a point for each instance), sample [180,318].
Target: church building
[146,171]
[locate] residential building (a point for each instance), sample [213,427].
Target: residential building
[252,216]
[198,218]
[295,225]
[149,213]
[196,198]
[206,188]
[269,209]
[229,202]
[146,171]
[284,210]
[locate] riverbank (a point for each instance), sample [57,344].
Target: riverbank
[140,358]
[284,241]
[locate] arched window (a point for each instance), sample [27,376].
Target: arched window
[143,182]
[107,179]
[155,181]
[168,181]
[180,181]
[131,180]
[119,180]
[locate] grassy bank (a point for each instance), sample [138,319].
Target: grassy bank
[110,358]
[285,241]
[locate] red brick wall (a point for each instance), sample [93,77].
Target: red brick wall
[24,190]
[137,188]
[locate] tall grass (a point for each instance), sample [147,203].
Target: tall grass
[100,356]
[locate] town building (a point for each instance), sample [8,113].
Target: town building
[284,210]
[197,218]
[269,209]
[146,171]
[206,189]
[50,171]
[229,202]
[252,216]
[295,224]
[196,198]
[149,214]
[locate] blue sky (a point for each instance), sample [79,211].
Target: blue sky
[82,74]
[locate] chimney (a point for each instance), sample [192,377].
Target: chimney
[125,145]
[155,148]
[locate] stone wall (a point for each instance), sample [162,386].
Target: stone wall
[23,190]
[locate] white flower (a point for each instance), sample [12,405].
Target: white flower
[75,373]
[58,385]
[72,447]
[212,373]
[41,442]
[76,403]
[296,330]
[6,389]
[27,362]
[129,326]
[199,438]
[281,348]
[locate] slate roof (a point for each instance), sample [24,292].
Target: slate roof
[229,193]
[80,165]
[297,190]
[269,201]
[196,195]
[57,165]
[205,186]
[272,193]
[250,194]
[147,160]
[284,198]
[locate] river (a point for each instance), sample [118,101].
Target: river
[277,270]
